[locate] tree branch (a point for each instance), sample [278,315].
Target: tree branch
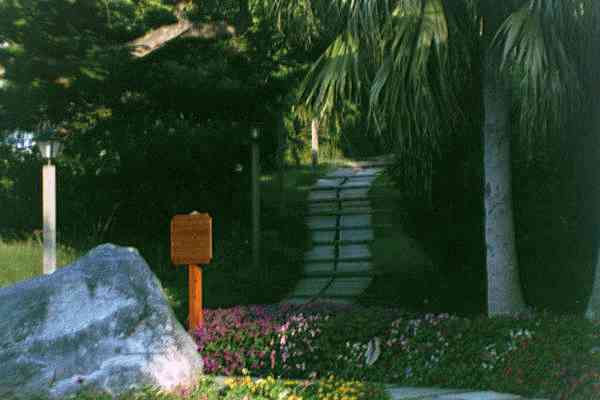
[158,37]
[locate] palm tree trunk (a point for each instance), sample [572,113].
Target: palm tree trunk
[592,311]
[593,307]
[314,131]
[504,287]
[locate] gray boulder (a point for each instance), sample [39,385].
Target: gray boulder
[100,324]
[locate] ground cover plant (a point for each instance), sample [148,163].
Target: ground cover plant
[269,388]
[537,355]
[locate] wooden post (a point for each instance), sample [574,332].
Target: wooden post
[49,216]
[196,312]
[255,201]
[191,245]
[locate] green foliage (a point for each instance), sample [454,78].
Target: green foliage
[267,388]
[146,138]
[330,388]
[536,356]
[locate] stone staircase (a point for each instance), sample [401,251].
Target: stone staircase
[338,267]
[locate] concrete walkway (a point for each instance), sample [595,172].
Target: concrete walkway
[338,267]
[413,393]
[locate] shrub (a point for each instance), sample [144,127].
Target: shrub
[542,355]
[330,388]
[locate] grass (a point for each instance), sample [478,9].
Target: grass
[404,274]
[406,278]
[20,260]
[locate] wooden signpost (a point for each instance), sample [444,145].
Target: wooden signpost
[191,245]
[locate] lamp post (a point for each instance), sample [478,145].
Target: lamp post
[49,149]
[255,136]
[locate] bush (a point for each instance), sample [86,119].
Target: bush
[542,355]
[329,388]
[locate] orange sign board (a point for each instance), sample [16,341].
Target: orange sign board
[191,239]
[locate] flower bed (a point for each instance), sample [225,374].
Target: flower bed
[328,388]
[537,356]
[269,388]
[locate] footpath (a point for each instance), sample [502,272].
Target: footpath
[339,267]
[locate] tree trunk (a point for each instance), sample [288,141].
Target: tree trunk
[593,307]
[314,130]
[504,287]
[592,311]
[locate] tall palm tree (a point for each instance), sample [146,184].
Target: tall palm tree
[409,58]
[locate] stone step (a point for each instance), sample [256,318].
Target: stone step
[356,235]
[322,222]
[356,211]
[350,258]
[348,286]
[345,186]
[349,228]
[319,237]
[338,205]
[354,252]
[352,193]
[319,268]
[346,267]
[340,274]
[356,266]
[331,183]
[368,172]
[347,200]
[336,200]
[352,221]
[323,207]
[358,180]
[379,161]
[348,173]
[320,253]
[329,299]
[310,286]
[323,195]
[339,242]
[341,173]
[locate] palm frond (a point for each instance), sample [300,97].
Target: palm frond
[308,21]
[538,43]
[338,75]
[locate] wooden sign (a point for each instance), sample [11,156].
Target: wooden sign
[191,239]
[191,244]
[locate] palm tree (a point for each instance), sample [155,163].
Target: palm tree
[409,58]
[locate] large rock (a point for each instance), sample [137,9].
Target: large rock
[101,323]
